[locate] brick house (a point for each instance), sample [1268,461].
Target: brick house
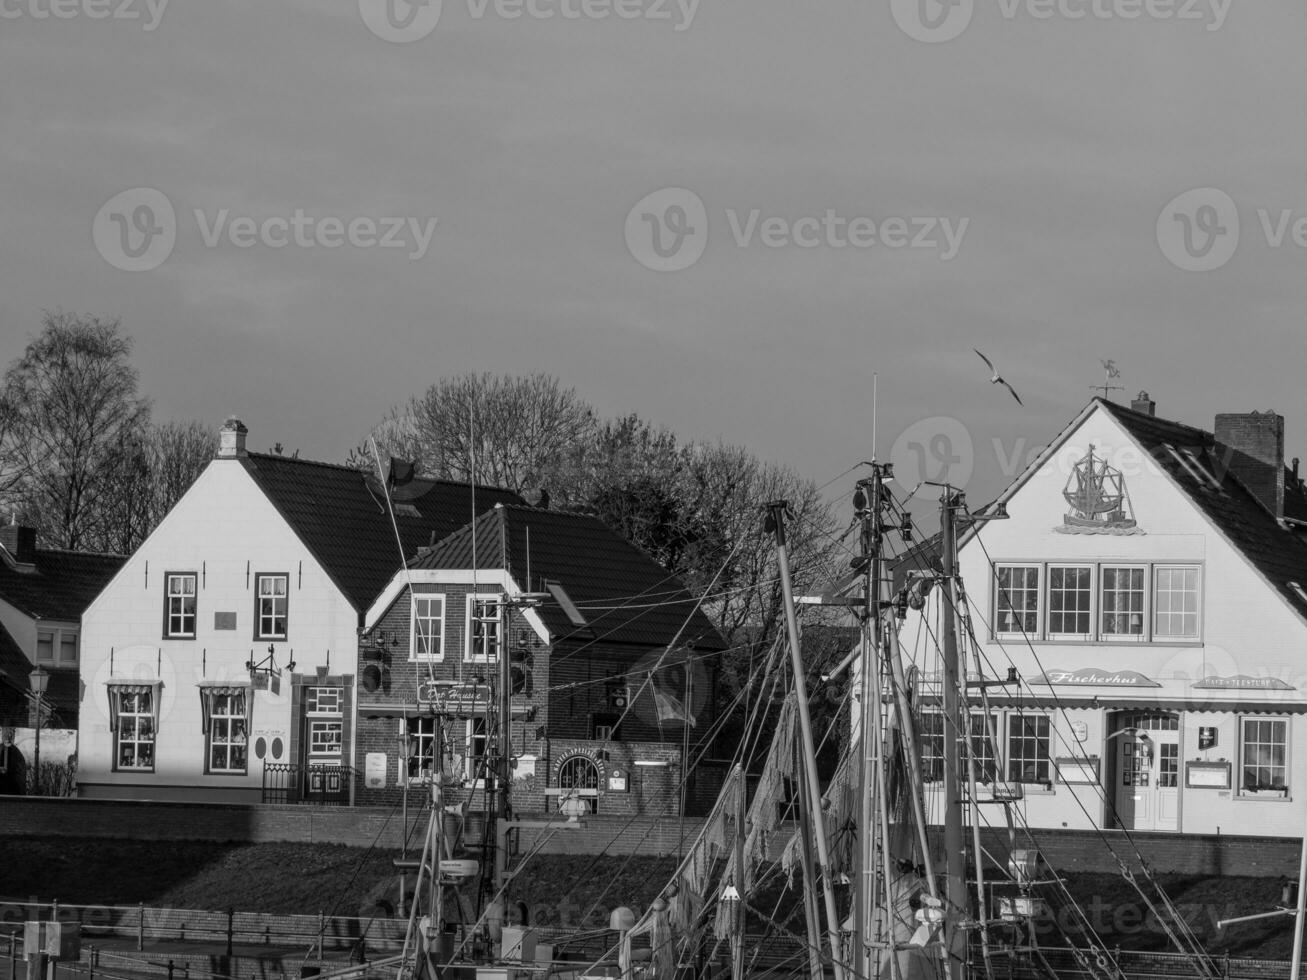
[220,662]
[1150,587]
[612,668]
[43,594]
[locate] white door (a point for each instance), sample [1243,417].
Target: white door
[1148,791]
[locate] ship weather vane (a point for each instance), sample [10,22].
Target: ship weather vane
[1110,371]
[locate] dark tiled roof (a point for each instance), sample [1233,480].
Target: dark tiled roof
[63,585]
[623,594]
[340,515]
[14,665]
[1279,553]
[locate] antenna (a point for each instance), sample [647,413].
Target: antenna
[874,379]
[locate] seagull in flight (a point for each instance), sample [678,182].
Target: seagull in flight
[998,380]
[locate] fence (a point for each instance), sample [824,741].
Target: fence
[289,782]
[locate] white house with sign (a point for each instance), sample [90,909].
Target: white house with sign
[1150,589]
[220,663]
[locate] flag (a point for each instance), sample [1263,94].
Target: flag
[672,691]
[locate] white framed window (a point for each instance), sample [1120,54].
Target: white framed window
[179,605]
[484,628]
[477,747]
[1264,757]
[226,748]
[326,739]
[271,599]
[324,700]
[1175,601]
[1029,739]
[932,747]
[427,636]
[421,761]
[1121,601]
[134,736]
[1070,599]
[1017,599]
[56,648]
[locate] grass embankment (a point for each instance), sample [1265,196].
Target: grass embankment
[559,890]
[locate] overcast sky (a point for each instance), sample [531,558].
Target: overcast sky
[1033,159]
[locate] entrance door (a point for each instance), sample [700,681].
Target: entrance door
[1148,773]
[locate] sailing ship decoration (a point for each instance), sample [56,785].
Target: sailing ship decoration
[1099,501]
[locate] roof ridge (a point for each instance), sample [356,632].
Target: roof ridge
[81,554]
[433,480]
[1144,416]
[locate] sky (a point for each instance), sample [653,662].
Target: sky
[726,216]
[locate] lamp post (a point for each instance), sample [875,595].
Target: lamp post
[39,678]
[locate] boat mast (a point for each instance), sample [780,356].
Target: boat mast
[776,523]
[956,727]
[872,841]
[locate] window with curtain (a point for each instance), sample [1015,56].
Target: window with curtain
[134,722]
[226,724]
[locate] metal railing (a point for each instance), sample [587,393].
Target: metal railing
[315,782]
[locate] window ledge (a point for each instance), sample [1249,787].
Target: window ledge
[1263,798]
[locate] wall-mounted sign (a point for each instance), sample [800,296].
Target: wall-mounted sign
[1206,737]
[224,621]
[1081,770]
[1080,731]
[1099,503]
[617,781]
[1207,775]
[1242,682]
[456,699]
[1094,677]
[374,770]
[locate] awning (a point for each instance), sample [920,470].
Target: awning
[1117,703]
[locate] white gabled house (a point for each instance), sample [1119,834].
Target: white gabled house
[1150,588]
[220,662]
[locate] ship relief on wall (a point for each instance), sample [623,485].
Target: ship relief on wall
[1099,502]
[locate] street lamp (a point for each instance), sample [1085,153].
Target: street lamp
[39,678]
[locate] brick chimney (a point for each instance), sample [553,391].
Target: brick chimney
[1252,446]
[1144,405]
[19,542]
[231,439]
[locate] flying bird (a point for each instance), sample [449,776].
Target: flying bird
[997,380]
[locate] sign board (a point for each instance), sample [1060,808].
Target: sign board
[456,699]
[617,781]
[1078,770]
[1094,677]
[374,770]
[1206,737]
[1242,682]
[1207,775]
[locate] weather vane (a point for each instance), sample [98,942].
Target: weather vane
[1110,371]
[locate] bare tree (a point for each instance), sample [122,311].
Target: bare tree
[519,432]
[74,422]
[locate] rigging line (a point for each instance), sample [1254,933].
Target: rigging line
[955,733]
[1197,951]
[399,544]
[1101,791]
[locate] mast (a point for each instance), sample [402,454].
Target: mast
[955,858]
[776,523]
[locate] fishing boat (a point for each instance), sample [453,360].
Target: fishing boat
[895,882]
